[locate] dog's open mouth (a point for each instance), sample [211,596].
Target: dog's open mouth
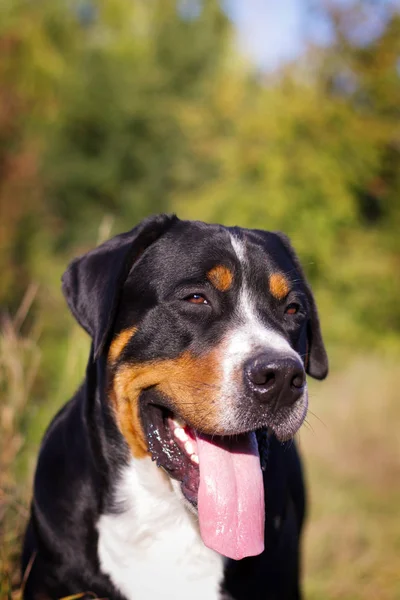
[220,475]
[173,445]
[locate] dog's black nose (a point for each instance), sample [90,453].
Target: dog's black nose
[278,379]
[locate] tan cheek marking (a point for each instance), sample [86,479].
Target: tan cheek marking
[221,277]
[119,343]
[191,384]
[278,286]
[128,421]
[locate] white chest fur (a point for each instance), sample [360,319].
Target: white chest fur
[152,548]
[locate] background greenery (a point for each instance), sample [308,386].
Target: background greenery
[113,110]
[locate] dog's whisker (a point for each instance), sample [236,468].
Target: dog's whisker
[318,418]
[308,426]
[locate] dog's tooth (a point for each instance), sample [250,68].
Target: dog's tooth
[179,422]
[180,434]
[189,449]
[194,458]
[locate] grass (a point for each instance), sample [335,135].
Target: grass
[350,445]
[352,451]
[19,363]
[25,411]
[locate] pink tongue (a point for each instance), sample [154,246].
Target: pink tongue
[231,496]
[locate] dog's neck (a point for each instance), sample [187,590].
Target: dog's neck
[150,543]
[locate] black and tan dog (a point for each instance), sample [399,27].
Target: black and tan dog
[149,484]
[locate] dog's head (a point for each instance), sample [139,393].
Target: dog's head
[208,332]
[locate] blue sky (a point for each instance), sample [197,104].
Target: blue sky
[269,31]
[272,31]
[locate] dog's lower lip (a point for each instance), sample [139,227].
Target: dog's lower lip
[166,449]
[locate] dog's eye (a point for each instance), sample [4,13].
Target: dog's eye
[292,308]
[196,299]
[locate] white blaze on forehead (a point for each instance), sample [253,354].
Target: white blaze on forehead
[239,248]
[250,335]
[251,331]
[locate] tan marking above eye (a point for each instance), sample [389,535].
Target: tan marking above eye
[221,277]
[191,384]
[119,343]
[278,286]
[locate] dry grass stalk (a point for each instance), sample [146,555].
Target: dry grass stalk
[19,363]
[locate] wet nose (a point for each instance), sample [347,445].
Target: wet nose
[279,380]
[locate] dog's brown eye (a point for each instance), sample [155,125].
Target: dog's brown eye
[196,299]
[292,308]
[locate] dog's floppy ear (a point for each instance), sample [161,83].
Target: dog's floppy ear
[92,284]
[317,362]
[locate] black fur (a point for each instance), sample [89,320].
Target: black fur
[142,277]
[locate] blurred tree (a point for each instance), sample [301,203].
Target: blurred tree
[90,97]
[128,107]
[118,146]
[32,62]
[314,151]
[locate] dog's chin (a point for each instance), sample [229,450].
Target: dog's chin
[286,422]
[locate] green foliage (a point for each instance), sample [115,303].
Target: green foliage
[117,109]
[118,146]
[113,110]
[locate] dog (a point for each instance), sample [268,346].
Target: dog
[172,473]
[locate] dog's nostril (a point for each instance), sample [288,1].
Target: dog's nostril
[264,378]
[269,378]
[298,380]
[259,374]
